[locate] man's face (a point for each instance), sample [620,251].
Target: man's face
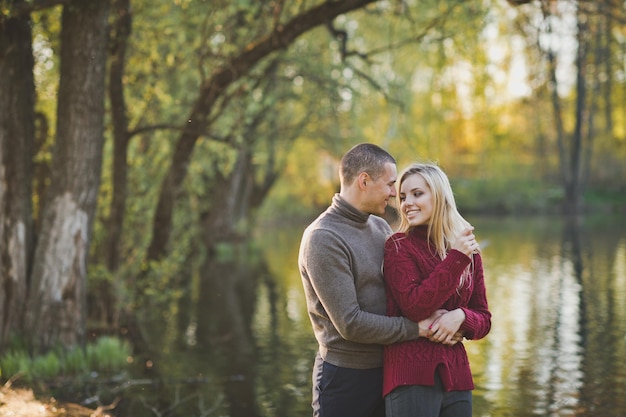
[381,190]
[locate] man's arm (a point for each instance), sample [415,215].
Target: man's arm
[325,265]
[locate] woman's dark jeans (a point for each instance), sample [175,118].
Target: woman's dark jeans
[427,401]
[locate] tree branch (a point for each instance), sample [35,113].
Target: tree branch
[214,88]
[24,8]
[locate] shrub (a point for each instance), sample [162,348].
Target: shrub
[107,354]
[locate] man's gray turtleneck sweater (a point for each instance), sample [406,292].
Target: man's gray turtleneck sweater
[340,260]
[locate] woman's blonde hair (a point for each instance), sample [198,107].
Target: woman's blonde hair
[446,223]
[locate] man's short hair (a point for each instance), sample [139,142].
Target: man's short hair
[364,157]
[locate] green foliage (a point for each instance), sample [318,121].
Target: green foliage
[507,196]
[76,362]
[15,363]
[160,286]
[44,367]
[607,199]
[309,181]
[107,355]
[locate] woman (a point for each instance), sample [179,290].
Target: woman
[432,265]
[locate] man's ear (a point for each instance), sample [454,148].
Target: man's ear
[363,179]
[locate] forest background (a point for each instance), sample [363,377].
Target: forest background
[140,140]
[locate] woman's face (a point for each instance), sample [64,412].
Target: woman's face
[416,200]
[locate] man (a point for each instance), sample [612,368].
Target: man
[340,262]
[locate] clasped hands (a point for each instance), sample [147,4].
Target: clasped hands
[443,326]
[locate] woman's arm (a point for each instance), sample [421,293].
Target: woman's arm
[477,322]
[473,320]
[418,296]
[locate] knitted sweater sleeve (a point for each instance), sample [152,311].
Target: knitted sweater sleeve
[416,294]
[327,269]
[477,315]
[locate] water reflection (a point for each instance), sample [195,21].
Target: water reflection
[549,286]
[227,303]
[557,291]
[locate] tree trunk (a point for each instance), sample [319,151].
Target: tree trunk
[571,148]
[121,32]
[607,58]
[574,187]
[56,308]
[103,304]
[17,131]
[599,53]
[561,139]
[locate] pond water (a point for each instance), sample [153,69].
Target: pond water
[241,345]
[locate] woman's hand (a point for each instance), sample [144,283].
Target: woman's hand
[445,329]
[466,242]
[426,324]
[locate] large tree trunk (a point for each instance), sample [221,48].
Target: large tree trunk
[17,130]
[56,307]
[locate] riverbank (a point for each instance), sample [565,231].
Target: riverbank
[21,402]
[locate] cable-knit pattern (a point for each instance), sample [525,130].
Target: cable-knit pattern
[418,283]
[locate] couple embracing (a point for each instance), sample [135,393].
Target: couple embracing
[390,310]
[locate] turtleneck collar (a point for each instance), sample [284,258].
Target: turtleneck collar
[349,211]
[420,231]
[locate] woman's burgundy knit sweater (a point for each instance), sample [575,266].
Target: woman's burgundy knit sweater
[419,283]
